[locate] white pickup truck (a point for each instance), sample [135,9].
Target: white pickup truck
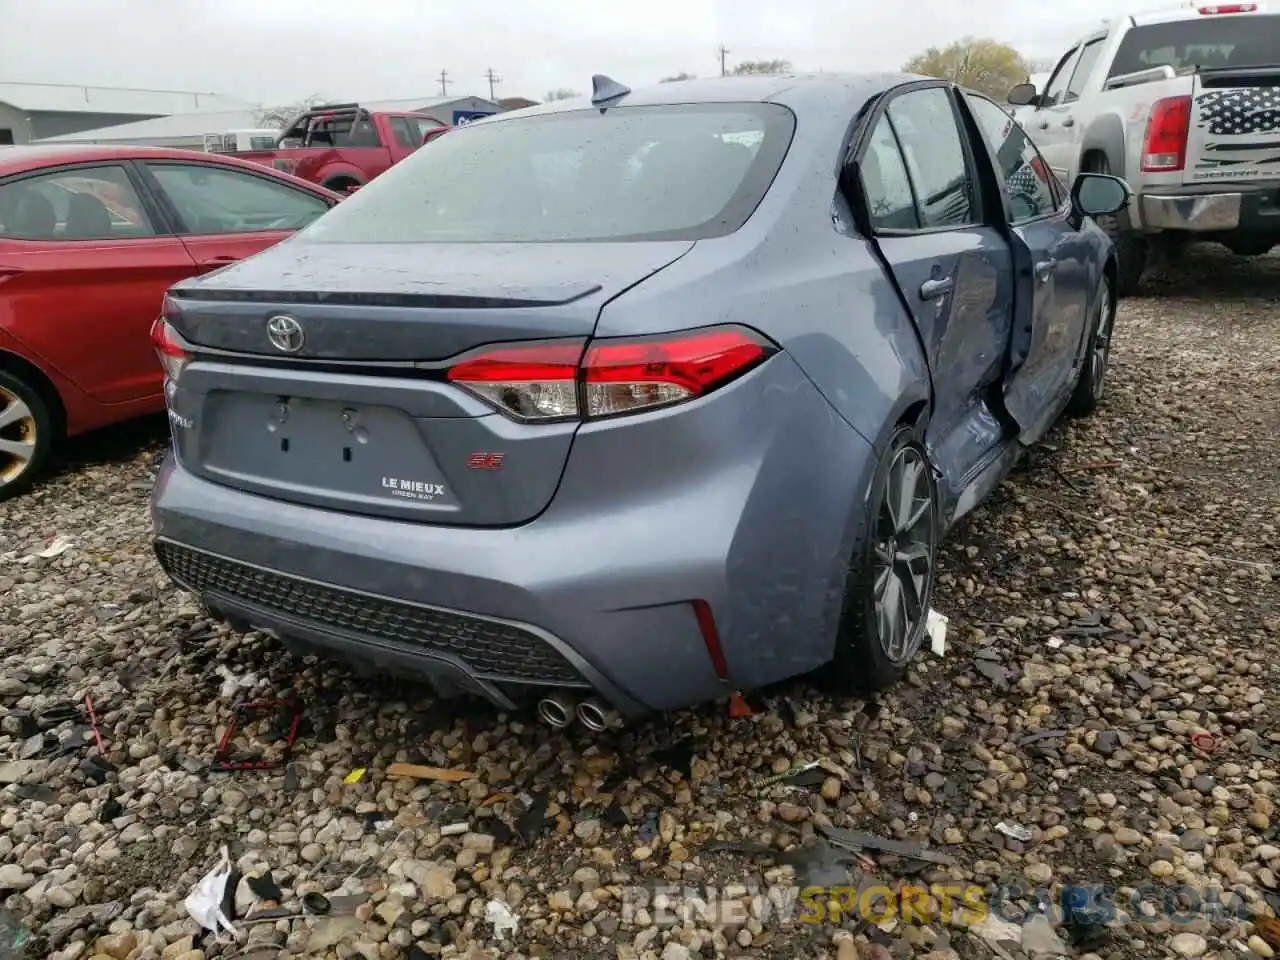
[1185,105]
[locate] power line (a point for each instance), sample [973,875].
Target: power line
[493,79]
[724,53]
[444,83]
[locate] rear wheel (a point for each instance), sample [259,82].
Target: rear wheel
[26,435]
[890,589]
[1131,249]
[1093,371]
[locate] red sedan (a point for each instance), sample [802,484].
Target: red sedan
[90,239]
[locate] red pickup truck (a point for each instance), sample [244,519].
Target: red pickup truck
[343,146]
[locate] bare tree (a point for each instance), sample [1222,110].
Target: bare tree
[279,116]
[561,93]
[680,76]
[762,66]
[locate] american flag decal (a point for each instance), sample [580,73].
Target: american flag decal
[1227,113]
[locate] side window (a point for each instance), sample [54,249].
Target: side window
[405,132]
[1056,89]
[885,182]
[1027,180]
[425,126]
[1089,54]
[84,203]
[214,200]
[925,122]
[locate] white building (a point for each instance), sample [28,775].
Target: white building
[35,111]
[188,130]
[184,130]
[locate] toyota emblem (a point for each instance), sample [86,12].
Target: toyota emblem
[285,333]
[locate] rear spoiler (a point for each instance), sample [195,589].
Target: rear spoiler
[1218,77]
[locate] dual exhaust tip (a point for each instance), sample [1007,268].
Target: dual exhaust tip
[559,711]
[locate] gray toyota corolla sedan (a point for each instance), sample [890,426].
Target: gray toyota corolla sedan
[628,402]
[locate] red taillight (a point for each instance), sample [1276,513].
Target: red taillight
[1229,8]
[1164,147]
[553,381]
[168,348]
[537,382]
[628,375]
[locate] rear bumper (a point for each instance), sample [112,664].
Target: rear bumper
[1215,209]
[748,503]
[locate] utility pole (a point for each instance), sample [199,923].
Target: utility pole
[724,52]
[493,79]
[444,83]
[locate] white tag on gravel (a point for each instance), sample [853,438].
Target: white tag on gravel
[204,902]
[936,626]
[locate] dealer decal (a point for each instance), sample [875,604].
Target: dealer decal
[412,489]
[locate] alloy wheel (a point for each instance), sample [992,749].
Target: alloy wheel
[1101,353]
[17,436]
[903,556]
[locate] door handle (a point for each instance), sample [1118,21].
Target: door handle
[1044,124]
[1069,122]
[10,271]
[933,289]
[1045,269]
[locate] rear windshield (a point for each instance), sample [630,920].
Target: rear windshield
[630,173]
[1210,41]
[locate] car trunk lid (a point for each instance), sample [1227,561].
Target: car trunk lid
[358,414]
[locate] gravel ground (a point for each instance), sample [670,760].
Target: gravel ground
[1102,716]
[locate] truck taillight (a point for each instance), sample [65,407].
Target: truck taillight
[169,348]
[1164,146]
[1229,8]
[541,383]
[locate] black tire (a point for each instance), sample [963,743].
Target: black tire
[862,661]
[1131,250]
[16,473]
[1097,356]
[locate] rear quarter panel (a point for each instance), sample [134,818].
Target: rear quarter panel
[799,273]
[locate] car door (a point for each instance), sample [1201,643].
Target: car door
[1074,117]
[84,264]
[224,214]
[405,136]
[1051,124]
[953,268]
[1052,302]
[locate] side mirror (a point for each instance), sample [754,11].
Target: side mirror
[1099,194]
[1023,95]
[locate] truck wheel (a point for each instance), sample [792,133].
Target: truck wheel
[1131,249]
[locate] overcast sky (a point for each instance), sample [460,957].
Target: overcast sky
[279,51]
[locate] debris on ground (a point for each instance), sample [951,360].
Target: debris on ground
[419,772]
[501,919]
[205,904]
[936,628]
[1014,831]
